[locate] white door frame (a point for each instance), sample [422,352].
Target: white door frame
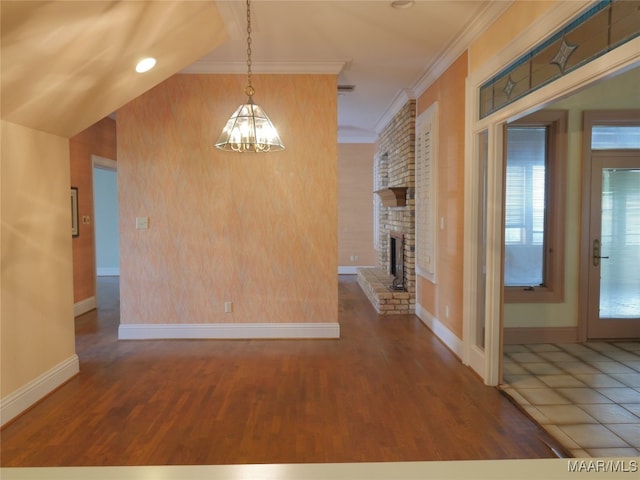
[487,362]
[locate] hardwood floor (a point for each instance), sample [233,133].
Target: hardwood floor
[388,390]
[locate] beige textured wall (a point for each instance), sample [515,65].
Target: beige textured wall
[355,204]
[99,139]
[448,91]
[36,321]
[259,230]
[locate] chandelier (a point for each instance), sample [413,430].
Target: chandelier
[249,129]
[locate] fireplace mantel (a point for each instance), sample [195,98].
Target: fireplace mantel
[393,196]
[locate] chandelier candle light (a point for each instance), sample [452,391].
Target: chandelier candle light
[249,129]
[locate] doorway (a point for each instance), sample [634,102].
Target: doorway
[612,232]
[105,193]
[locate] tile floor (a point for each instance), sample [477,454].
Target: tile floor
[587,396]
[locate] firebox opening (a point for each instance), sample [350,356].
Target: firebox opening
[396,260]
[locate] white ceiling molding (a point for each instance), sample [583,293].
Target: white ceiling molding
[366,139]
[321,68]
[398,102]
[450,54]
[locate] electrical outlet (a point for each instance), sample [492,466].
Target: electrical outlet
[228,307]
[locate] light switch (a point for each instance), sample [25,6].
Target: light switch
[142,223]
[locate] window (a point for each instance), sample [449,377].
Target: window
[534,208]
[426,224]
[605,137]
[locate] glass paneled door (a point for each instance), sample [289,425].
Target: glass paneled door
[614,268]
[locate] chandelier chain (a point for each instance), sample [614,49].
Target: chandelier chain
[249,85]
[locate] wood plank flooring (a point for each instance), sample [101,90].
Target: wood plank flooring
[388,390]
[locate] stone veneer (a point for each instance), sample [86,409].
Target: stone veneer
[376,283]
[396,168]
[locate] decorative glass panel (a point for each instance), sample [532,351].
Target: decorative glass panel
[603,27]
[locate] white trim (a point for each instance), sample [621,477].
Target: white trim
[373,138]
[554,19]
[104,163]
[108,271]
[328,67]
[227,331]
[351,270]
[479,24]
[618,60]
[26,396]
[444,60]
[440,330]
[84,306]
[426,193]
[400,100]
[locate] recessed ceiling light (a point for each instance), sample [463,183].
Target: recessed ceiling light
[403,4]
[145,65]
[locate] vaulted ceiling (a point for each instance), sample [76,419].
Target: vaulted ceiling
[66,64]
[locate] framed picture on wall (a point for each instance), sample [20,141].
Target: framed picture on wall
[74,212]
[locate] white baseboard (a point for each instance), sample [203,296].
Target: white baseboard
[440,330]
[228,331]
[350,270]
[108,272]
[84,306]
[17,402]
[347,270]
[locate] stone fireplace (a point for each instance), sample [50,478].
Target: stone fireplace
[391,285]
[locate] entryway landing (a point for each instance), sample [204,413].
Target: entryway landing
[587,396]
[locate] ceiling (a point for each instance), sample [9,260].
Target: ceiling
[67,64]
[388,54]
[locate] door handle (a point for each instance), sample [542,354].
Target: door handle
[596,253]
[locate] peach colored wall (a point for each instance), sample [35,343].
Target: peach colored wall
[99,139]
[36,320]
[448,91]
[259,230]
[355,204]
[509,25]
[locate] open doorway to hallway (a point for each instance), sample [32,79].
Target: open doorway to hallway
[106,219]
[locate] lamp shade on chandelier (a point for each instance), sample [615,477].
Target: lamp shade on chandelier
[249,129]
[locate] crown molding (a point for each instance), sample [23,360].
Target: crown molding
[362,139]
[460,44]
[450,54]
[400,100]
[328,67]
